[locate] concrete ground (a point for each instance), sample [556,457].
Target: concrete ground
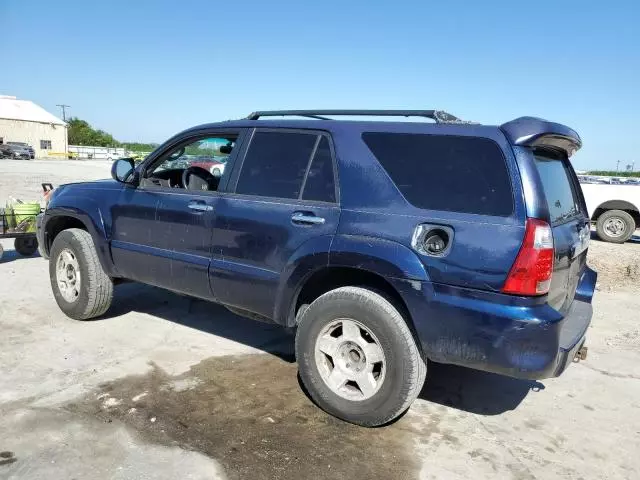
[169,387]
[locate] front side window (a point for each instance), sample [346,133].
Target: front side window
[209,153]
[276,164]
[196,164]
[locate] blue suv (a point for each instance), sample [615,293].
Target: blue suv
[384,243]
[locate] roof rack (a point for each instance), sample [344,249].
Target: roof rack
[438,115]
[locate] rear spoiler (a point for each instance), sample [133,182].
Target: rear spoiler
[536,132]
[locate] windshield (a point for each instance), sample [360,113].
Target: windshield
[558,188]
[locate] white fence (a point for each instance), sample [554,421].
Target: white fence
[97,153]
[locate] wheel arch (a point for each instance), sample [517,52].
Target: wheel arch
[331,277]
[58,220]
[623,205]
[342,261]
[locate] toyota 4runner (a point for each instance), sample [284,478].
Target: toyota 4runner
[385,244]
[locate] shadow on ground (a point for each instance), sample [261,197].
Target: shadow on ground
[12,255]
[457,387]
[474,391]
[205,316]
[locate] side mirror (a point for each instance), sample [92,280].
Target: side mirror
[122,169]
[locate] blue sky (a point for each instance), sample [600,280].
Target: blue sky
[144,70]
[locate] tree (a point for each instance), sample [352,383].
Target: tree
[139,147]
[81,133]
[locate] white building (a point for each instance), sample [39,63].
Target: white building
[24,121]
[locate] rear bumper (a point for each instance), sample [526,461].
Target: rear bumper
[515,336]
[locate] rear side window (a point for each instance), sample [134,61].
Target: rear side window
[320,184]
[558,188]
[276,164]
[444,172]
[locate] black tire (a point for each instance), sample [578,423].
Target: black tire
[620,217]
[26,246]
[96,288]
[404,364]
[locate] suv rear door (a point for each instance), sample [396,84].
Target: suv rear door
[282,193]
[569,223]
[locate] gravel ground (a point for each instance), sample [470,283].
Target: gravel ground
[618,266]
[23,179]
[168,387]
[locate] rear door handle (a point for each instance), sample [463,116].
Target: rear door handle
[200,206]
[300,217]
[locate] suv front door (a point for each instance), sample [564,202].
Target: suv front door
[162,228]
[282,194]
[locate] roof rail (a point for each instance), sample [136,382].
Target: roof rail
[438,115]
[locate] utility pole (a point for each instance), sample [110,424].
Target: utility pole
[618,166]
[64,111]
[66,133]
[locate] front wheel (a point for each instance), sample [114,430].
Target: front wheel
[357,356]
[615,226]
[80,286]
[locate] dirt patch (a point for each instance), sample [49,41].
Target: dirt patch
[250,414]
[618,266]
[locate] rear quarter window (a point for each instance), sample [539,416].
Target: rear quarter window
[559,190]
[445,172]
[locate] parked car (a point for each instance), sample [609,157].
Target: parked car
[5,151]
[448,241]
[18,152]
[215,167]
[614,209]
[23,146]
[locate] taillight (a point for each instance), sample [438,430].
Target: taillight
[531,272]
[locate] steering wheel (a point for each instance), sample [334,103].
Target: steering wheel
[196,178]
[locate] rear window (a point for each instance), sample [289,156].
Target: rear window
[451,173]
[276,164]
[558,188]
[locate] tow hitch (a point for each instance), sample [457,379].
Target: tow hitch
[581,354]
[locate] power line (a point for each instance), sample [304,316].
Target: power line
[64,111]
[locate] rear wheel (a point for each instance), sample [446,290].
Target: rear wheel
[615,226]
[26,246]
[357,357]
[80,286]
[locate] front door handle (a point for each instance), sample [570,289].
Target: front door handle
[300,217]
[200,206]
